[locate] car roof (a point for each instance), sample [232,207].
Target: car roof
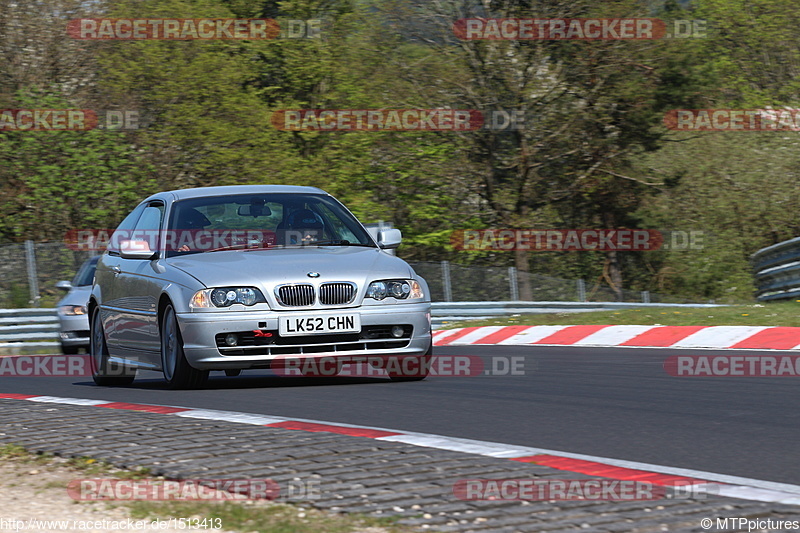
[199,192]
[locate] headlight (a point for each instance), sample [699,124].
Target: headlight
[72,310]
[401,289]
[225,297]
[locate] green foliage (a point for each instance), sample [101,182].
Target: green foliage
[595,155]
[51,182]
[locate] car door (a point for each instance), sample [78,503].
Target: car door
[107,277]
[139,287]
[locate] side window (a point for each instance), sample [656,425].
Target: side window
[124,230]
[148,226]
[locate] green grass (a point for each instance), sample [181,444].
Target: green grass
[270,518]
[770,314]
[85,465]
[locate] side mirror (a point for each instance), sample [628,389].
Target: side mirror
[135,250]
[390,238]
[64,285]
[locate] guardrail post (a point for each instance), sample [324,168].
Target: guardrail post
[33,281]
[448,289]
[581,290]
[512,280]
[645,297]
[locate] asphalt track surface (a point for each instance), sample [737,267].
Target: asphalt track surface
[608,402]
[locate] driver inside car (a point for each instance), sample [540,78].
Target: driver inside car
[191,220]
[303,227]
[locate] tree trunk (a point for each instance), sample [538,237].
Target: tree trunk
[522,263]
[614,274]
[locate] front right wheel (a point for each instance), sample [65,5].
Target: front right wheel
[177,370]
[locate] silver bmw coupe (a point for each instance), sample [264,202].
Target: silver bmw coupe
[235,278]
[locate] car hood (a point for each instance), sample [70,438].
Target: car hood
[76,296]
[267,268]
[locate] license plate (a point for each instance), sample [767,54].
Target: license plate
[289,326]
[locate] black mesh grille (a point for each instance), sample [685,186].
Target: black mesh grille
[296,295]
[336,293]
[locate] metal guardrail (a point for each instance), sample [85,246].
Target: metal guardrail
[39,328]
[28,328]
[777,271]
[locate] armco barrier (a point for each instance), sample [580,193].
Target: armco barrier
[38,328]
[777,271]
[28,328]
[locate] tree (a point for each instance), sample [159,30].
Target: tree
[592,105]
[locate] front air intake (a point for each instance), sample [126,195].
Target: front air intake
[296,295]
[336,293]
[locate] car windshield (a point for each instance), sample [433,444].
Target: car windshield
[258,221]
[85,275]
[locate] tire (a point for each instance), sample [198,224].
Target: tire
[232,373]
[423,364]
[178,373]
[70,350]
[105,373]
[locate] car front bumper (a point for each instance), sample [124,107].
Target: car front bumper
[200,331]
[73,330]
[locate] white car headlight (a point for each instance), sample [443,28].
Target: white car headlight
[401,289]
[225,297]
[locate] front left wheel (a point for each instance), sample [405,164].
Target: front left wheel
[177,370]
[104,372]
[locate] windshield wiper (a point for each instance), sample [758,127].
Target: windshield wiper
[242,246]
[335,242]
